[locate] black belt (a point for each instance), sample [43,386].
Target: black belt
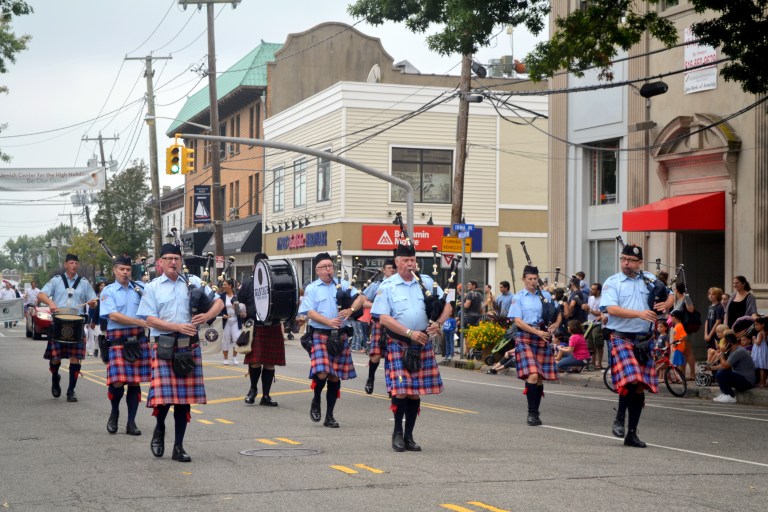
[634,336]
[327,332]
[119,342]
[399,337]
[193,340]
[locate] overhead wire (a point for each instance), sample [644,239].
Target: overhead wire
[173,2]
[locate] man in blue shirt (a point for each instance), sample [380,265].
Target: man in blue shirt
[66,290]
[128,350]
[378,343]
[330,357]
[504,300]
[630,321]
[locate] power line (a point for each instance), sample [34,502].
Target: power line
[155,30]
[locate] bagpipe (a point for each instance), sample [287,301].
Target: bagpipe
[344,299]
[136,287]
[658,292]
[549,311]
[200,302]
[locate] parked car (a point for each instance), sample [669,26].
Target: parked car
[38,321]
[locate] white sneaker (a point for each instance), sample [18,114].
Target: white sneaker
[728,399]
[225,362]
[719,398]
[234,361]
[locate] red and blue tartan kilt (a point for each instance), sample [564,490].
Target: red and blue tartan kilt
[57,350]
[268,346]
[167,388]
[340,366]
[120,370]
[626,370]
[426,381]
[377,331]
[534,355]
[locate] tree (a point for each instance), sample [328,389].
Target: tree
[593,36]
[123,219]
[10,43]
[93,259]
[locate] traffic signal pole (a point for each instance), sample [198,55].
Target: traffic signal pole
[217,215]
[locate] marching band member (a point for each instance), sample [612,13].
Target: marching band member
[71,291]
[400,306]
[177,371]
[267,349]
[533,352]
[378,345]
[129,357]
[331,358]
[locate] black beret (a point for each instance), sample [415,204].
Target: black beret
[633,250]
[530,269]
[259,256]
[71,257]
[405,250]
[170,249]
[123,259]
[389,261]
[321,257]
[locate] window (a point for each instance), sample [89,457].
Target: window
[207,153]
[300,182]
[250,195]
[428,170]
[222,145]
[323,180]
[603,257]
[234,131]
[232,194]
[256,193]
[603,171]
[668,4]
[278,192]
[237,195]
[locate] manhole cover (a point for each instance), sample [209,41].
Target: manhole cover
[281,452]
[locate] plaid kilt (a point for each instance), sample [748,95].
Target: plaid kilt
[402,382]
[268,345]
[120,370]
[534,355]
[625,368]
[377,331]
[340,366]
[167,388]
[57,350]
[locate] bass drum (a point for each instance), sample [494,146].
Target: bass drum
[275,291]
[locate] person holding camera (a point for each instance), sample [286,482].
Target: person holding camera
[734,371]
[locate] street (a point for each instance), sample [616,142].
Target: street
[478,453]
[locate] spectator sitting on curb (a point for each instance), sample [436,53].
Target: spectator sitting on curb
[575,355]
[735,371]
[508,361]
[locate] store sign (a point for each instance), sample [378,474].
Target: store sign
[301,240]
[384,237]
[699,79]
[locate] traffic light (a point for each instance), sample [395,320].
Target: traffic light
[173,159]
[187,160]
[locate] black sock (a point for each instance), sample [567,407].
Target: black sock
[411,413]
[115,394]
[635,408]
[74,371]
[267,377]
[398,408]
[161,412]
[254,373]
[180,417]
[319,386]
[372,367]
[622,408]
[334,388]
[530,394]
[537,396]
[54,368]
[132,399]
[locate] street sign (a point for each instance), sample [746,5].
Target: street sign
[453,244]
[219,261]
[463,227]
[447,259]
[463,234]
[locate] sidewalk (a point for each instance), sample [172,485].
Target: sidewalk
[594,379]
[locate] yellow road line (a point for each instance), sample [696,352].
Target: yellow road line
[286,440]
[226,422]
[368,468]
[238,398]
[196,411]
[486,506]
[222,377]
[457,508]
[344,469]
[205,422]
[267,441]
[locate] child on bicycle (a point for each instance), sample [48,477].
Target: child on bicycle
[662,340]
[680,338]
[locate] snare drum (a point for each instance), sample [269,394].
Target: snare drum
[275,291]
[68,328]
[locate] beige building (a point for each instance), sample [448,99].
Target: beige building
[684,174]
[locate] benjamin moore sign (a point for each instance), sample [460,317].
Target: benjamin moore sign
[73,178]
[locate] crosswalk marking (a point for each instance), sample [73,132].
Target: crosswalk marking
[368,468]
[486,506]
[226,422]
[267,441]
[344,469]
[205,422]
[456,508]
[286,440]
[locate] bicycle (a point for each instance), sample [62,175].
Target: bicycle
[674,379]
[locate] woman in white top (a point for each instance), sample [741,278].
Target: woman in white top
[231,322]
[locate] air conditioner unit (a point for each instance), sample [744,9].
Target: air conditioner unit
[230,149]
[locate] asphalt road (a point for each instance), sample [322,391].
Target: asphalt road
[478,454]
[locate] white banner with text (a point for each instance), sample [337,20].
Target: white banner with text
[50,179]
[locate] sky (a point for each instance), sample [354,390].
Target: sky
[74,71]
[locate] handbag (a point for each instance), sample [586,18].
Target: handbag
[333,344]
[412,358]
[244,342]
[132,350]
[183,364]
[306,340]
[103,348]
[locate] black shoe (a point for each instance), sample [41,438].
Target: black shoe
[533,419]
[618,428]
[131,429]
[411,445]
[491,372]
[250,398]
[369,386]
[314,411]
[71,396]
[268,402]
[158,443]
[55,388]
[632,440]
[179,454]
[398,444]
[95,352]
[290,336]
[112,423]
[330,422]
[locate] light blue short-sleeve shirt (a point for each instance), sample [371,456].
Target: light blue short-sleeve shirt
[527,306]
[404,301]
[321,298]
[628,293]
[167,300]
[67,297]
[117,298]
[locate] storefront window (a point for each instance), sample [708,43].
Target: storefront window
[430,171]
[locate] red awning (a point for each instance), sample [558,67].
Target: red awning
[695,212]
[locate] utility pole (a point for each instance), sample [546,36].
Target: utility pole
[157,222]
[457,206]
[103,164]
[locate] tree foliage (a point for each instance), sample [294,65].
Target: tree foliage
[465,25]
[35,254]
[10,43]
[123,218]
[592,37]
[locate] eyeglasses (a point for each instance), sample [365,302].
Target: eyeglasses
[323,267]
[172,258]
[628,260]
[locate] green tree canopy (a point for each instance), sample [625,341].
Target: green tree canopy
[10,43]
